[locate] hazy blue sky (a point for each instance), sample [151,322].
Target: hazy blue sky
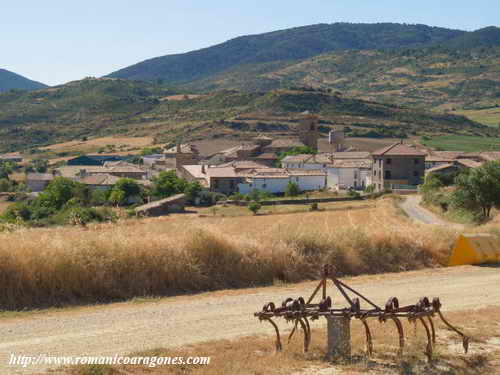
[55,41]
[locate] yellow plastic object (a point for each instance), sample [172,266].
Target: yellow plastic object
[475,249]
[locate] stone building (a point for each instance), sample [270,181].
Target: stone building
[308,130]
[174,204]
[397,166]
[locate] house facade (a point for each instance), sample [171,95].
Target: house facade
[397,166]
[343,169]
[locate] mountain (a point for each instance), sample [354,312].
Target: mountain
[102,107]
[9,81]
[485,37]
[282,46]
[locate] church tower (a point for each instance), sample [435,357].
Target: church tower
[308,130]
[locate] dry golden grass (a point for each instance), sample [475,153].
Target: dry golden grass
[169,256]
[91,145]
[256,355]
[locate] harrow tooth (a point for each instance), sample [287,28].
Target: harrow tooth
[279,347]
[401,333]
[306,335]
[433,331]
[369,343]
[308,328]
[293,330]
[465,338]
[428,350]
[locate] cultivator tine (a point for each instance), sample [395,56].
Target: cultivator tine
[369,343]
[436,304]
[299,311]
[306,321]
[293,330]
[401,333]
[465,338]
[428,350]
[433,331]
[279,347]
[306,335]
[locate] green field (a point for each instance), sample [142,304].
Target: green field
[489,116]
[463,143]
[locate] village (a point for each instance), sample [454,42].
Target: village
[264,165]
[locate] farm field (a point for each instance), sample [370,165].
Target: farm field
[234,211]
[120,145]
[463,143]
[489,116]
[174,255]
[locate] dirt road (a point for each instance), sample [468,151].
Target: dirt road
[411,205]
[130,327]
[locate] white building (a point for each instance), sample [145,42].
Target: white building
[343,169]
[276,180]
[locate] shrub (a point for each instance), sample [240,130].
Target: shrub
[292,189]
[237,197]
[370,189]
[314,206]
[353,194]
[254,207]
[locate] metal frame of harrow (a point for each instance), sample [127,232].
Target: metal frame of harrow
[300,311]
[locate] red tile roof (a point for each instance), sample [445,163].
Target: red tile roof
[398,149]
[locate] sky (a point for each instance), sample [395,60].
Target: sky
[56,41]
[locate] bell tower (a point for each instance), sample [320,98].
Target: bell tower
[308,130]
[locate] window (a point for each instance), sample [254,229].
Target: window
[388,175]
[389,161]
[264,185]
[415,174]
[375,172]
[216,184]
[416,161]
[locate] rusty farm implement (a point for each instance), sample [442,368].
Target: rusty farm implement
[301,312]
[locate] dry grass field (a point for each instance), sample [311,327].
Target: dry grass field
[256,355]
[175,255]
[121,144]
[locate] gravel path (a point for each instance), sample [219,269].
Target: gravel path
[129,327]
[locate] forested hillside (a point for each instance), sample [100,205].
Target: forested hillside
[283,46]
[13,81]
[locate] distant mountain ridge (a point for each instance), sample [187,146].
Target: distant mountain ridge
[284,45]
[10,80]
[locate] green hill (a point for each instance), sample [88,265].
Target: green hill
[282,46]
[13,81]
[102,107]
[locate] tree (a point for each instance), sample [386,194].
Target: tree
[478,189]
[125,188]
[5,170]
[6,185]
[117,197]
[254,207]
[292,189]
[167,184]
[192,191]
[58,192]
[150,151]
